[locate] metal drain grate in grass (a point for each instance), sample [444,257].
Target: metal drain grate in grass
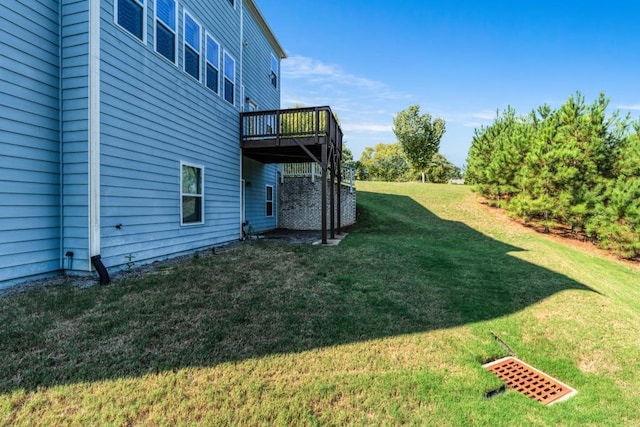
[529,381]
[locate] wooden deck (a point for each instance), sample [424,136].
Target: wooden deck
[296,135]
[299,135]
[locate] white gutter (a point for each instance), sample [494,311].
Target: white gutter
[94,129]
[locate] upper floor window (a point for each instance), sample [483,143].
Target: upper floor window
[213,63]
[229,78]
[130,15]
[166,28]
[233,3]
[191,194]
[274,71]
[191,46]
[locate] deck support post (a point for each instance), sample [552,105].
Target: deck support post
[323,162]
[339,179]
[324,195]
[332,197]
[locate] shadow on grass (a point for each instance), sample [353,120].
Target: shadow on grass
[401,270]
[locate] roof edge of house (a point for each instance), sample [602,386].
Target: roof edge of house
[253,8]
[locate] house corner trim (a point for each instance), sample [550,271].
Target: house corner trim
[94,128]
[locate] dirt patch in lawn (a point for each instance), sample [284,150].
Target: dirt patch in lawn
[558,233]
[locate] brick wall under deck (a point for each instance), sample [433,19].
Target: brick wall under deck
[300,204]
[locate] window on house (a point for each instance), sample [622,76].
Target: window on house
[274,71]
[213,64]
[268,201]
[166,29]
[229,78]
[191,47]
[233,3]
[191,193]
[130,15]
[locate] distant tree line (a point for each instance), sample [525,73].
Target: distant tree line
[388,162]
[572,166]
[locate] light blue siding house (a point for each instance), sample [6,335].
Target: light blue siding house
[120,131]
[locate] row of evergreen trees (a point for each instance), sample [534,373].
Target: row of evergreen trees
[573,166]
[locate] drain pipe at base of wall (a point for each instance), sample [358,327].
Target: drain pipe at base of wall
[101,269]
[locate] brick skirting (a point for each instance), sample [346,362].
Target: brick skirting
[300,204]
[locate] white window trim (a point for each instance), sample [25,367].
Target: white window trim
[184,42]
[144,21]
[235,88]
[206,61]
[193,165]
[266,200]
[155,33]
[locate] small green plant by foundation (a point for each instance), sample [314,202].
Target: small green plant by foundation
[130,263]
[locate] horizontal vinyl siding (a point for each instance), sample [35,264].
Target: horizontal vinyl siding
[257,83]
[257,66]
[29,140]
[259,175]
[153,116]
[75,134]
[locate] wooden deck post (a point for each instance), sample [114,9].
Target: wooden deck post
[323,160]
[332,196]
[339,172]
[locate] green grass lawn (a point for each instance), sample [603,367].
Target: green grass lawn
[390,327]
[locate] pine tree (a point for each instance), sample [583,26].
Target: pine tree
[615,223]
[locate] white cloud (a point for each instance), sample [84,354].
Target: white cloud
[634,107]
[301,67]
[366,127]
[334,78]
[484,115]
[472,125]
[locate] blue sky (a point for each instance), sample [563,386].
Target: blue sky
[459,60]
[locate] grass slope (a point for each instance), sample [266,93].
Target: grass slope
[389,327]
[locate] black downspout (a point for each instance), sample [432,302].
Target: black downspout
[101,269]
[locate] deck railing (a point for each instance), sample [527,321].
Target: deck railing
[313,170]
[291,123]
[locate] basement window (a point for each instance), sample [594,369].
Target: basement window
[268,203]
[191,194]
